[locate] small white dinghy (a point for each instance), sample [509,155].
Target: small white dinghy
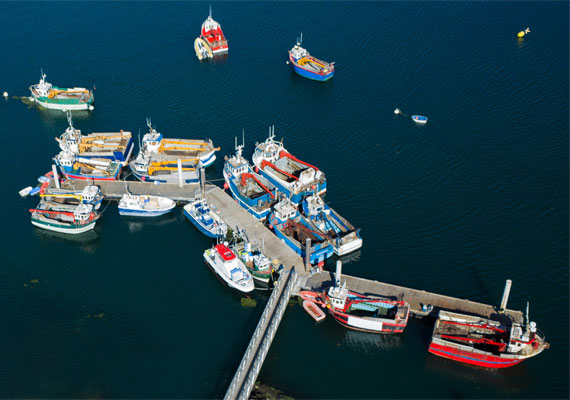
[420,119]
[25,191]
[145,206]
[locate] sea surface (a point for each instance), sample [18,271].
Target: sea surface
[477,196]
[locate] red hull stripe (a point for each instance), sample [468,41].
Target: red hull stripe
[490,362]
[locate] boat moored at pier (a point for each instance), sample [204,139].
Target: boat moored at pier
[75,167]
[81,218]
[483,342]
[206,220]
[294,229]
[166,171]
[141,205]
[292,177]
[257,263]
[49,96]
[90,194]
[229,267]
[344,237]
[308,66]
[115,146]
[253,192]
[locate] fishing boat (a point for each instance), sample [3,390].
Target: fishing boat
[76,167]
[308,66]
[202,49]
[313,310]
[483,342]
[344,237]
[49,96]
[419,119]
[90,194]
[206,220]
[115,146]
[146,170]
[258,264]
[229,267]
[141,205]
[294,229]
[212,34]
[252,191]
[81,219]
[291,176]
[359,312]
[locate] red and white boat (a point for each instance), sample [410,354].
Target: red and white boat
[360,312]
[313,310]
[212,33]
[484,342]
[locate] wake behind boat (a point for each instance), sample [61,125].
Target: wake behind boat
[229,267]
[140,205]
[308,66]
[292,177]
[49,96]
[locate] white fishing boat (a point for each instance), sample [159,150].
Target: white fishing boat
[206,220]
[140,205]
[229,267]
[78,220]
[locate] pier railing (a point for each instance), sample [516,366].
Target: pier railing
[248,370]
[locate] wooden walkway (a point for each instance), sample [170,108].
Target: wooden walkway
[415,297]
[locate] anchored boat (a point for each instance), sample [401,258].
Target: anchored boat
[483,342]
[292,177]
[75,167]
[359,312]
[344,237]
[308,66]
[206,220]
[140,205]
[419,119]
[229,267]
[49,96]
[252,191]
[90,194]
[115,146]
[212,34]
[81,219]
[294,229]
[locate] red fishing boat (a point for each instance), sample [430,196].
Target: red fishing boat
[484,342]
[212,33]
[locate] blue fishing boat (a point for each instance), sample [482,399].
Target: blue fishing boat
[419,119]
[75,167]
[207,221]
[308,66]
[342,234]
[252,191]
[292,177]
[294,229]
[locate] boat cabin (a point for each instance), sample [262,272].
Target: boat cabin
[65,158]
[83,212]
[298,52]
[314,205]
[43,88]
[89,192]
[337,296]
[236,164]
[285,210]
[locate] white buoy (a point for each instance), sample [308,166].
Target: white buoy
[5,94]
[287,62]
[91,108]
[397,111]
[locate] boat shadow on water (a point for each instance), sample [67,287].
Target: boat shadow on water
[136,224]
[87,241]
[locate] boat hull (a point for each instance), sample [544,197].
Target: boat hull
[201,227]
[371,325]
[61,106]
[142,213]
[305,73]
[472,358]
[63,228]
[313,310]
[213,266]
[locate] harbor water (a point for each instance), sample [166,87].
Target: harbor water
[476,196]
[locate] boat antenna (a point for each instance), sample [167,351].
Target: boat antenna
[43,75]
[243,137]
[139,138]
[210,15]
[527,319]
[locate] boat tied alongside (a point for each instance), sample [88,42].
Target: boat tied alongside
[76,167]
[81,218]
[142,205]
[49,96]
[253,192]
[308,66]
[205,219]
[291,176]
[229,267]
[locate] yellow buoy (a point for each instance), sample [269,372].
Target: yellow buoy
[520,34]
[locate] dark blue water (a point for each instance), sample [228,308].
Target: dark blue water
[477,196]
